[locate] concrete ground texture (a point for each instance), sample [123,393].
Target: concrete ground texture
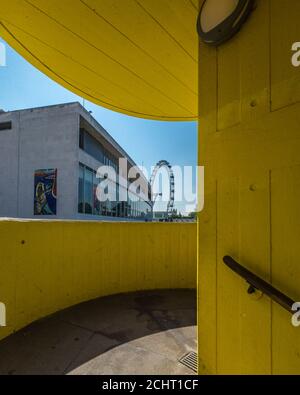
[136,333]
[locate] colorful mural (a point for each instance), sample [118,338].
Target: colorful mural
[45,191]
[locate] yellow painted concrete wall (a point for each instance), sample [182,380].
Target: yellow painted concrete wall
[135,57]
[47,266]
[249,143]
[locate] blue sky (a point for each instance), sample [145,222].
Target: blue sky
[147,142]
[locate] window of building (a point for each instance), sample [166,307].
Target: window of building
[81,189]
[88,191]
[94,148]
[89,204]
[81,139]
[5,125]
[97,203]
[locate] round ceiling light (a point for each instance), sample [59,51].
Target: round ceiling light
[219,20]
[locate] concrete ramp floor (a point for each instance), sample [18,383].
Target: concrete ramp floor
[136,333]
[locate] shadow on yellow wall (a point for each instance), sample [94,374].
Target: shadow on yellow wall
[47,266]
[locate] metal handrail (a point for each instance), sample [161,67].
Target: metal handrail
[257,283]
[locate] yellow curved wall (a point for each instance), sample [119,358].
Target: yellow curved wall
[47,266]
[249,143]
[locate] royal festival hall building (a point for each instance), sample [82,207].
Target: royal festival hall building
[48,168]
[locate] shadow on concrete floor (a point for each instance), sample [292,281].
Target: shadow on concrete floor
[136,333]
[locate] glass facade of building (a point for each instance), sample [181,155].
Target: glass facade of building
[89,204]
[94,148]
[133,208]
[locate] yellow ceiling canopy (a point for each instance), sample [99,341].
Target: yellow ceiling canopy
[138,57]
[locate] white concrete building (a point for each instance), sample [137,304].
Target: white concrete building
[48,162]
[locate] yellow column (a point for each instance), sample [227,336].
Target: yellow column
[249,143]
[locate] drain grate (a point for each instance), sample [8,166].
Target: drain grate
[190,360]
